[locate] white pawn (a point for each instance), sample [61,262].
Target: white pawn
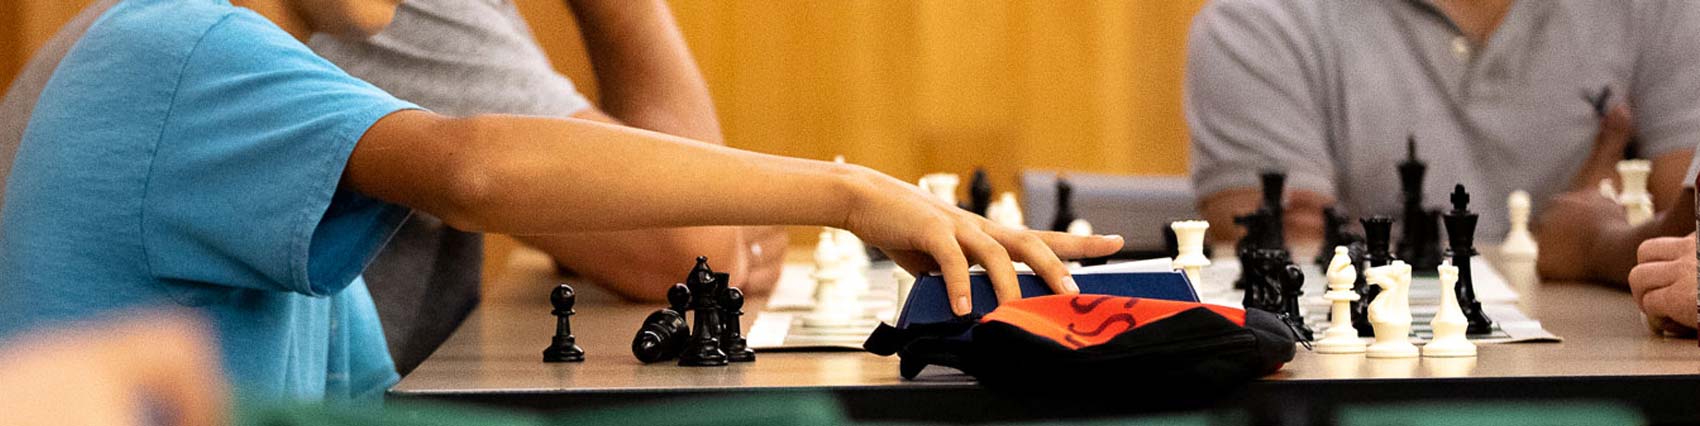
[1080,227]
[1189,238]
[1341,338]
[853,257]
[832,306]
[1518,251]
[1519,243]
[1449,323]
[942,185]
[1005,211]
[1390,312]
[1636,201]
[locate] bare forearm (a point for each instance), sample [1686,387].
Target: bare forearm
[524,175]
[645,71]
[641,265]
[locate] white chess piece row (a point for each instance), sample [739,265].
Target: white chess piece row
[1390,313]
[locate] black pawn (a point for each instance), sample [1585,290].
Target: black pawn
[665,332]
[732,337]
[979,192]
[703,348]
[1065,205]
[1377,231]
[1461,234]
[563,348]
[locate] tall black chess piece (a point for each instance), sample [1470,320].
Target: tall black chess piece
[732,336]
[703,348]
[665,332]
[1256,226]
[1292,282]
[979,192]
[564,347]
[1419,239]
[1336,231]
[1378,230]
[1461,233]
[1065,205]
[1274,186]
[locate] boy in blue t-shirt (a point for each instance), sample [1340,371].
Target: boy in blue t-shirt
[193,152]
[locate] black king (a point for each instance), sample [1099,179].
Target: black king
[1419,240]
[1461,234]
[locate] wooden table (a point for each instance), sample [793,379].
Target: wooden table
[495,358]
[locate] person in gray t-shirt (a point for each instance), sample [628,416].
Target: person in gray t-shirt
[1496,94]
[466,57]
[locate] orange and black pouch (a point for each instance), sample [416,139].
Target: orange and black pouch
[1068,341]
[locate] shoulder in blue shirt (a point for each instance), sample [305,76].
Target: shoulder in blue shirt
[188,153]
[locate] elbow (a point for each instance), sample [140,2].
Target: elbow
[470,199]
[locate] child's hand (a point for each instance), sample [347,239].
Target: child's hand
[923,234]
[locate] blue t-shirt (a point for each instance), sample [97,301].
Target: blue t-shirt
[188,152]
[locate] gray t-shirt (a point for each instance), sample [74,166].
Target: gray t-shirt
[1329,90]
[454,57]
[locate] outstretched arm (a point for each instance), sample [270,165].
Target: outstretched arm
[525,175]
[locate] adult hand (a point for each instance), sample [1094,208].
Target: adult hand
[150,367]
[1663,283]
[1575,225]
[923,234]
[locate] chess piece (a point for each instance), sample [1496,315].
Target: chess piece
[1257,225]
[665,331]
[1449,323]
[1378,230]
[1189,237]
[1341,337]
[1292,281]
[732,336]
[1274,186]
[1079,227]
[1390,312]
[835,303]
[1636,201]
[853,256]
[1264,287]
[564,347]
[1519,244]
[1461,233]
[941,185]
[979,192]
[1005,211]
[703,348]
[1065,205]
[1419,241]
[1335,233]
[905,283]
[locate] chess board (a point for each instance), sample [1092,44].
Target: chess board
[1498,300]
[778,327]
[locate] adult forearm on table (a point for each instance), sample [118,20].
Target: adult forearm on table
[642,264]
[644,70]
[526,175]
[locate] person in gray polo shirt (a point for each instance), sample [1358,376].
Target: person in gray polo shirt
[1497,94]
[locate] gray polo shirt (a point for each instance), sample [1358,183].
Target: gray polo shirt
[1328,90]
